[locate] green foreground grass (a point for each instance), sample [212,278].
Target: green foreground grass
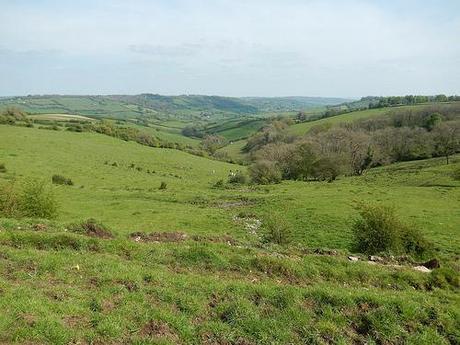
[220,285]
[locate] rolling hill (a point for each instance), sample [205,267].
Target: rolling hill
[188,107]
[185,264]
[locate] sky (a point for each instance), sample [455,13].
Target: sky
[337,48]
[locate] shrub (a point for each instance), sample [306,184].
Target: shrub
[379,230]
[2,168]
[444,277]
[219,184]
[456,174]
[37,200]
[9,201]
[32,199]
[277,230]
[163,185]
[237,177]
[413,241]
[59,179]
[265,172]
[325,169]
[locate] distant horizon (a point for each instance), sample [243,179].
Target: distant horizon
[215,95]
[176,95]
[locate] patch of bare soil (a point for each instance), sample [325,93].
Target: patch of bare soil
[209,338]
[159,329]
[175,236]
[216,239]
[231,204]
[40,227]
[29,319]
[76,321]
[92,228]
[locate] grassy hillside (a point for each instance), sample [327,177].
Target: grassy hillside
[236,129]
[292,103]
[185,107]
[97,106]
[302,128]
[212,281]
[113,194]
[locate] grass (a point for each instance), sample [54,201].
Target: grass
[216,282]
[59,117]
[126,197]
[302,128]
[234,150]
[236,129]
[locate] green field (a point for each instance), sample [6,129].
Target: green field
[215,283]
[302,128]
[59,117]
[236,129]
[187,108]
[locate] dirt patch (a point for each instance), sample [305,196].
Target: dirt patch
[76,321]
[29,319]
[40,227]
[130,285]
[57,296]
[159,329]
[178,236]
[216,239]
[91,228]
[231,204]
[175,236]
[210,338]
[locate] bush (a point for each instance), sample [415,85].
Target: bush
[456,174]
[30,199]
[444,277]
[59,179]
[163,185]
[219,184]
[2,168]
[9,201]
[237,177]
[37,200]
[325,169]
[277,230]
[265,172]
[380,231]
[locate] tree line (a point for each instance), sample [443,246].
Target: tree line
[328,151]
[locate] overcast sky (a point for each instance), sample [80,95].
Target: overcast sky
[230,47]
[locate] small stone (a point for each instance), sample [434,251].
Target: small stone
[422,269]
[353,258]
[375,258]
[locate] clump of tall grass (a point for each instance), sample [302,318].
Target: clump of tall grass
[276,230]
[59,179]
[378,230]
[30,198]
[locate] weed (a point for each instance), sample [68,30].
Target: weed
[277,230]
[59,179]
